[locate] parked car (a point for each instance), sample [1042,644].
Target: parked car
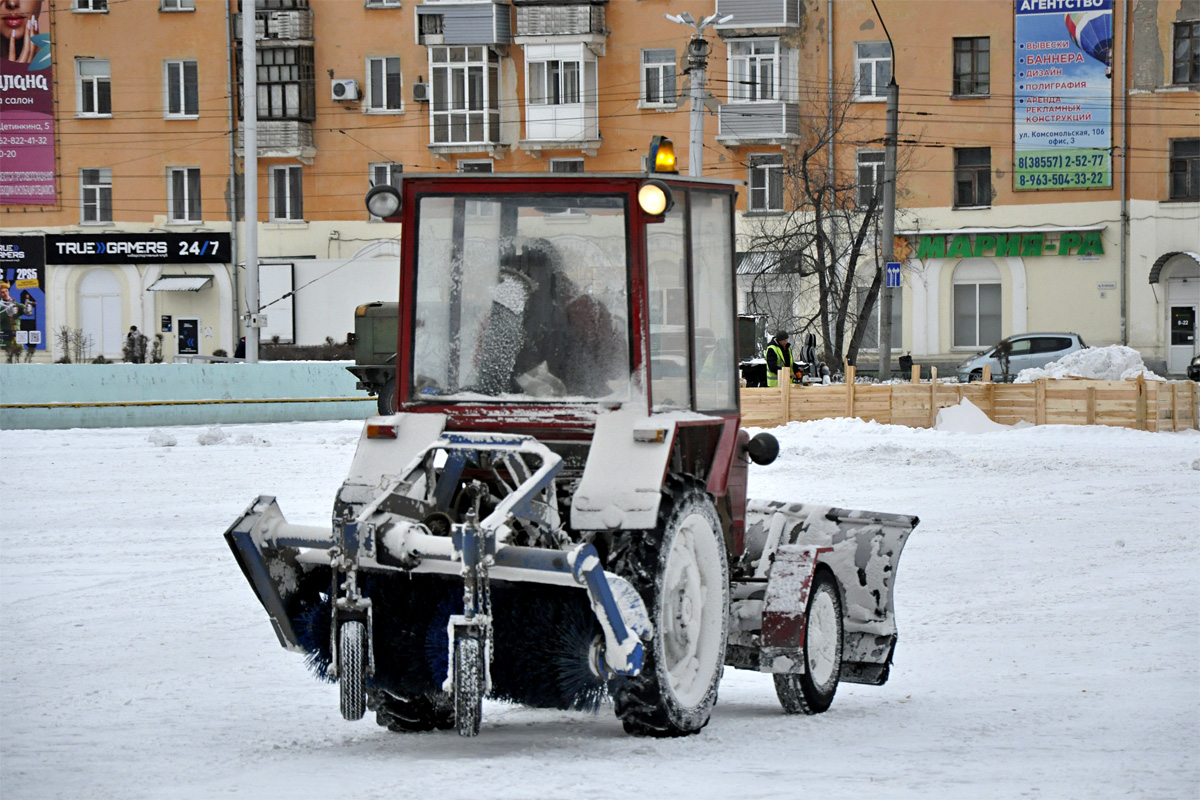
[1024,351]
[1193,370]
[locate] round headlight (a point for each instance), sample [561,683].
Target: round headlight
[655,198]
[383,201]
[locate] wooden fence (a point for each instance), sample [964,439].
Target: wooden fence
[1140,404]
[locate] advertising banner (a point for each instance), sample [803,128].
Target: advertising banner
[22,296]
[26,107]
[1062,99]
[137,248]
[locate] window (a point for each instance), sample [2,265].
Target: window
[432,24]
[976,304]
[385,174]
[287,86]
[383,3]
[93,87]
[1185,169]
[872,70]
[554,83]
[95,195]
[870,338]
[177,5]
[870,175]
[972,176]
[383,84]
[766,183]
[90,5]
[183,194]
[972,65]
[475,166]
[1185,55]
[182,88]
[567,165]
[466,94]
[658,77]
[756,67]
[287,197]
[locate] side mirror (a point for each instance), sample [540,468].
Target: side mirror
[763,449]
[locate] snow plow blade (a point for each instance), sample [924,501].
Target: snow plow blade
[786,543]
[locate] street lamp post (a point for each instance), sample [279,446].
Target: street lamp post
[697,53]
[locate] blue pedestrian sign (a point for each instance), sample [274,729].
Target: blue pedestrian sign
[893,274]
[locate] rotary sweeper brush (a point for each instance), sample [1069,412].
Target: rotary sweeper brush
[557,514]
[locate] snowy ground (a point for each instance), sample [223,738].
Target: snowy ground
[1047,605]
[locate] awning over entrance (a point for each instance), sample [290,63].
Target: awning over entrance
[1165,257]
[181,283]
[758,262]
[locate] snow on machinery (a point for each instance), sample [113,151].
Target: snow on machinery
[557,514]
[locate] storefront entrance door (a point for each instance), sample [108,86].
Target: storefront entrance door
[1183,303]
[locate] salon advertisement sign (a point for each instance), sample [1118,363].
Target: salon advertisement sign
[1062,104]
[26,105]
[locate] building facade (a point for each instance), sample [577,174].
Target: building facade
[135,219]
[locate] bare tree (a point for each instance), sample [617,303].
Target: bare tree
[826,244]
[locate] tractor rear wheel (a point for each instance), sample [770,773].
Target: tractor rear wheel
[468,685]
[681,571]
[387,398]
[352,669]
[812,691]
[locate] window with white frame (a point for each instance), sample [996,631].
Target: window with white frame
[870,338]
[976,303]
[93,87]
[872,70]
[566,165]
[287,196]
[466,95]
[183,194]
[384,84]
[561,92]
[89,5]
[383,3]
[385,174]
[766,183]
[95,195]
[554,82]
[870,176]
[758,70]
[182,88]
[658,77]
[177,5]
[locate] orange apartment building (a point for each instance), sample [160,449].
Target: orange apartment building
[133,222]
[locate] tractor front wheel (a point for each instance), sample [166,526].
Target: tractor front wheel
[812,691]
[681,571]
[352,669]
[419,713]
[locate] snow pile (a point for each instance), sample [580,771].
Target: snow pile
[966,417]
[213,435]
[1113,363]
[160,439]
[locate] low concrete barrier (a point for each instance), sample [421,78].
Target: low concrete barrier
[57,396]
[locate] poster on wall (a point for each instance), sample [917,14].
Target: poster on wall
[22,296]
[26,106]
[1062,99]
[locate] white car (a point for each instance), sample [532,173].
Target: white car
[1023,351]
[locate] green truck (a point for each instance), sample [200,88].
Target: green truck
[374,339]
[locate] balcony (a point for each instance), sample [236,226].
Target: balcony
[463,22]
[758,123]
[288,25]
[560,20]
[758,16]
[281,139]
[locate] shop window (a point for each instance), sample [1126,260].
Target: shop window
[872,70]
[976,302]
[182,88]
[100,313]
[1185,169]
[972,65]
[870,175]
[1185,55]
[658,77]
[972,176]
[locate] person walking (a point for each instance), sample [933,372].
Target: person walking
[779,358]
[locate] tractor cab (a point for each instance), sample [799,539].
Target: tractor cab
[560,295]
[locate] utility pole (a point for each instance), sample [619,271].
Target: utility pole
[697,53]
[250,174]
[889,211]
